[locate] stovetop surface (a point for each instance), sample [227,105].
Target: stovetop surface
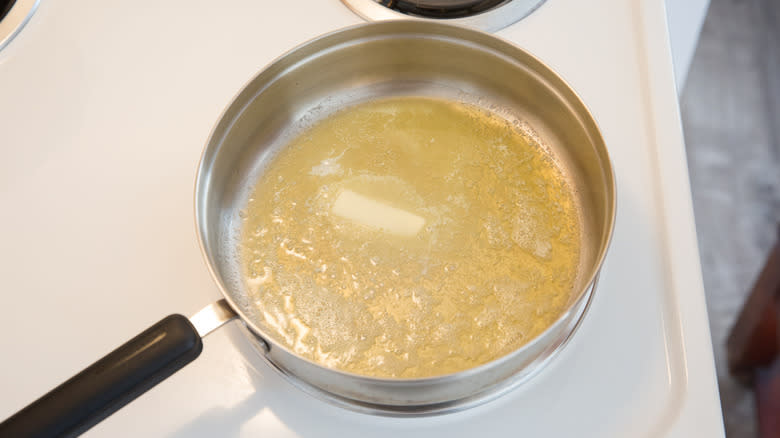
[104,112]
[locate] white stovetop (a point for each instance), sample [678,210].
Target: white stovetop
[104,109]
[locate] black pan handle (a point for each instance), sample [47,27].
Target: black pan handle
[110,383]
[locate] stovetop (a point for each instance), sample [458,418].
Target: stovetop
[104,110]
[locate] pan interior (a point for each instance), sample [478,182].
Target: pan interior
[348,68]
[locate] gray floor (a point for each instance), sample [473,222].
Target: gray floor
[731,117]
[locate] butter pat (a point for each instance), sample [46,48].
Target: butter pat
[374,214]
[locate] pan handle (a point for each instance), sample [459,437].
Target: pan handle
[118,378]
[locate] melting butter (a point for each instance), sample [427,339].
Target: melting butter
[377,215]
[409,237]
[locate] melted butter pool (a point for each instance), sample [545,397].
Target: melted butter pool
[409,237]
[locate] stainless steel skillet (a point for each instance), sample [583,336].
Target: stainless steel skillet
[345,67]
